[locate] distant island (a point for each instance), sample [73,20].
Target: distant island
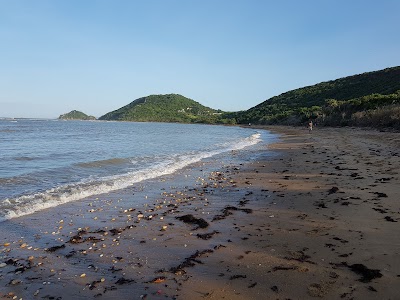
[76,115]
[167,108]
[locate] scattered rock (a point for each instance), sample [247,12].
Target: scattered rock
[15,282]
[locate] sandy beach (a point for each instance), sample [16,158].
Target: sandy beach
[317,219]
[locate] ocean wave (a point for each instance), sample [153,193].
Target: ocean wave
[27,204]
[103,163]
[25,158]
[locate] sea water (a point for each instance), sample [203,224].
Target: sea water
[44,163]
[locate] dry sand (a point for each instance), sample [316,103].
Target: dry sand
[320,219]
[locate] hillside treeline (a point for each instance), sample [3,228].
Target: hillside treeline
[369,99]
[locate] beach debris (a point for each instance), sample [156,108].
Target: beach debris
[243,202]
[2,265]
[345,254]
[77,239]
[70,254]
[189,262]
[252,285]
[113,269]
[191,219]
[333,190]
[217,247]
[237,277]
[159,279]
[390,219]
[302,216]
[207,236]
[381,195]
[366,274]
[299,256]
[284,268]
[123,280]
[94,283]
[116,231]
[320,204]
[381,210]
[55,248]
[227,211]
[372,289]
[109,288]
[275,289]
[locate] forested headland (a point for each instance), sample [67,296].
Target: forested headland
[368,99]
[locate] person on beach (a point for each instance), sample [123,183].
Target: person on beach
[310,125]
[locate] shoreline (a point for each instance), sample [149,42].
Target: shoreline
[317,219]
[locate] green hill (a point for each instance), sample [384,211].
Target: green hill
[76,115]
[353,100]
[165,108]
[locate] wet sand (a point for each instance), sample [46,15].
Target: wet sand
[318,219]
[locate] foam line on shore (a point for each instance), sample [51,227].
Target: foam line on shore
[28,204]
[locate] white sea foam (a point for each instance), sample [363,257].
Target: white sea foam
[27,204]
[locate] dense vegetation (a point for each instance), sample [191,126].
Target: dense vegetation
[368,99]
[76,115]
[166,108]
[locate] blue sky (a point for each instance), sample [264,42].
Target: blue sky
[96,56]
